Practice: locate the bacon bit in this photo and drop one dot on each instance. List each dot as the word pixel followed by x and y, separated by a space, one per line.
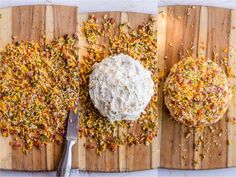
pixel 112 147
pixel 15 145
pixel 90 146
pixel 76 36
pixel 234 120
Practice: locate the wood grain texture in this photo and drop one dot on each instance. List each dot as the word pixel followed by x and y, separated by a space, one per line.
pixel 181 34
pixel 122 149
pixel 82 51
pixel 217 41
pixel 161 39
pixel 201 32
pixel 139 156
pixel 5 37
pixel 231 111
pixel 203 29
pixel 28 23
pixel 31 23
pixel 128 158
pixel 201 52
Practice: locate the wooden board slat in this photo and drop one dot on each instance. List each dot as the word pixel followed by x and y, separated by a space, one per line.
pixel 161 39
pixel 201 52
pixel 82 51
pixel 204 29
pixel 217 41
pixel 231 111
pixel 201 32
pixel 5 37
pixel 122 150
pixel 28 23
pixel 181 34
pixel 138 156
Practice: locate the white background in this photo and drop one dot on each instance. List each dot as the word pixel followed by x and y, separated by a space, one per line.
pixel 147 6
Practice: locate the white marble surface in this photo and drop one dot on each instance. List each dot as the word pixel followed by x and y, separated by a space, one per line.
pixel 147 6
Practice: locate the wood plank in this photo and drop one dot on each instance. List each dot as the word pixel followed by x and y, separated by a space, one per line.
pixel 112 158
pixel 49 33
pixel 82 51
pixel 231 111
pixel 155 145
pixel 5 37
pixel 215 146
pixel 203 30
pixel 108 161
pixel 64 22
pixel 161 39
pixel 176 150
pixel 201 52
pixel 28 23
pixel 139 155
pixel 122 149
pixel 75 150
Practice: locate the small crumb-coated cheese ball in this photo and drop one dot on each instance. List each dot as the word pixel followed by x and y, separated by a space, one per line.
pixel 197 92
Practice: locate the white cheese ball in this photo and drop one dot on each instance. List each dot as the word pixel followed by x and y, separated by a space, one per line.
pixel 120 87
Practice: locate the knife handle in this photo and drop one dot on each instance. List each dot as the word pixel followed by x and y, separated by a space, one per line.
pixel 64 168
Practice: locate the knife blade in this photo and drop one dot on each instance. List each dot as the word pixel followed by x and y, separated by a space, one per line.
pixel 72 124
pixel 64 168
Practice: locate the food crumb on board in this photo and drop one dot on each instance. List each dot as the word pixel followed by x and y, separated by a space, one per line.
pixel 142 48
pixel 37 83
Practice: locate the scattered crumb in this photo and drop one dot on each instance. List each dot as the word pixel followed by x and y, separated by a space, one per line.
pixel 225 50
pixel 187 134
pixel 179 17
pixel 171 44
pixel 202 156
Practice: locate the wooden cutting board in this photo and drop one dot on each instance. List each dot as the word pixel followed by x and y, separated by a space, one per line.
pixel 211 27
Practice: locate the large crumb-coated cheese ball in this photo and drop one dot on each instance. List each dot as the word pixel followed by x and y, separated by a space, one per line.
pixel 197 92
pixel 120 87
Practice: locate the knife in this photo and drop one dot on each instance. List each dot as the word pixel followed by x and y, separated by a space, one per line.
pixel 64 168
